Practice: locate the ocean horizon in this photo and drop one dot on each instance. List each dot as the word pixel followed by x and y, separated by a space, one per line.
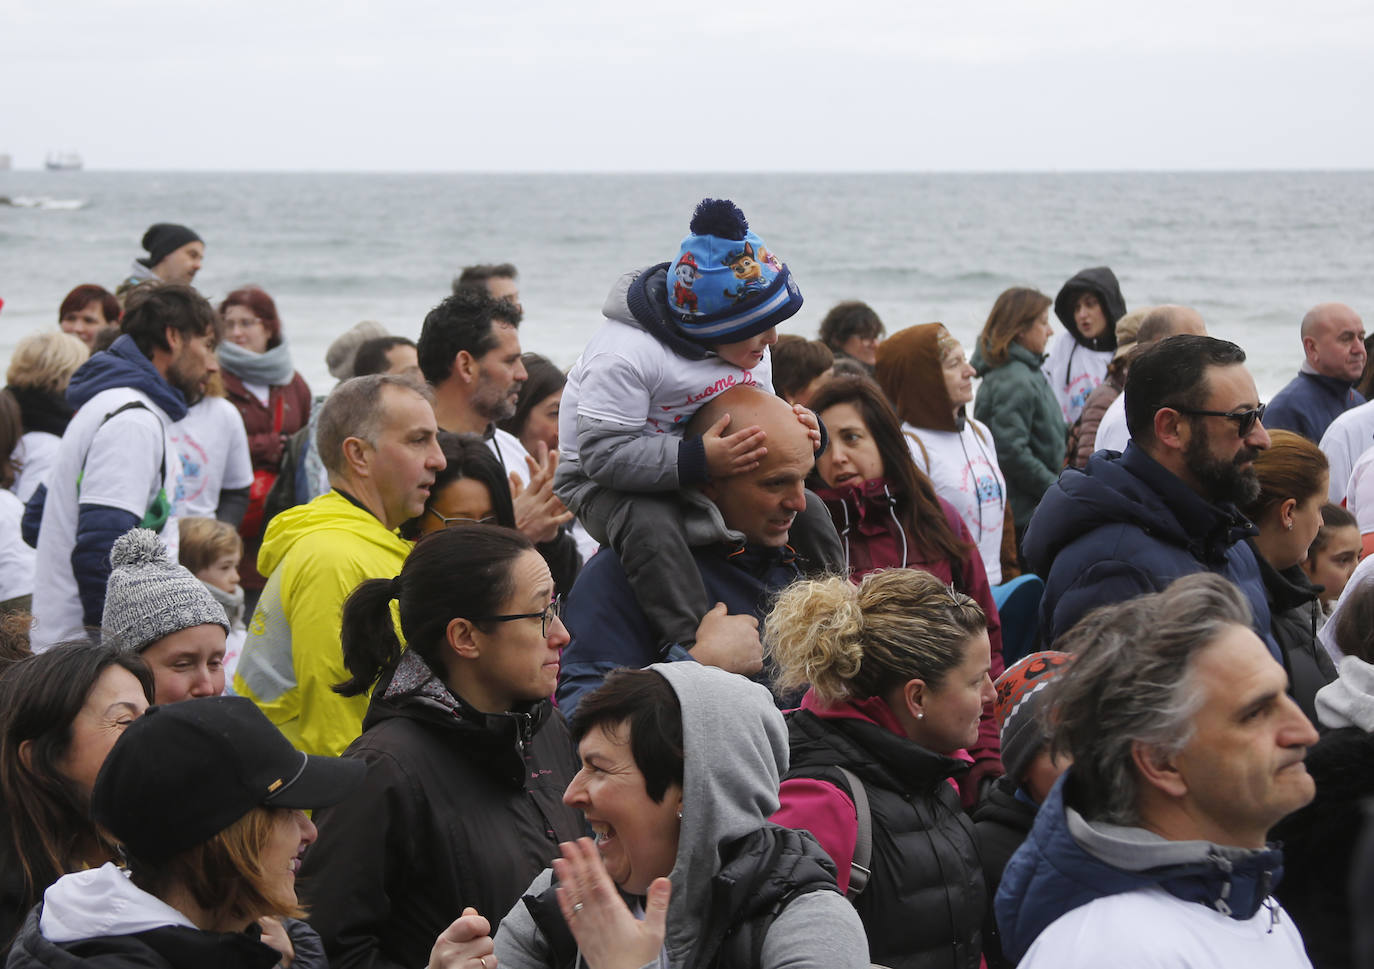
pixel 1252 250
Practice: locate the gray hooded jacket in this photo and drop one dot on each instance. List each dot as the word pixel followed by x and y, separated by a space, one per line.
pixel 735 751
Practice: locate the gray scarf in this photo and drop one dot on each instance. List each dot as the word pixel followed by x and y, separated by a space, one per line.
pixel 232 603
pixel 271 367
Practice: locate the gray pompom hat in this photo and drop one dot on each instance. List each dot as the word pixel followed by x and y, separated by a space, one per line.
pixel 149 596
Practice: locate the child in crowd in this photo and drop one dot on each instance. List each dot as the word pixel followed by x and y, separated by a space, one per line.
pixel 210 550
pixel 675 335
pixel 800 366
pixel 1088 306
pixel 1333 555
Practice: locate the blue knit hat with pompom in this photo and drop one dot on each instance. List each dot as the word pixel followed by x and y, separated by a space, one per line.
pixel 725 285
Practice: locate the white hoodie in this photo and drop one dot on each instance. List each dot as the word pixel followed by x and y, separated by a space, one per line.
pixel 101 902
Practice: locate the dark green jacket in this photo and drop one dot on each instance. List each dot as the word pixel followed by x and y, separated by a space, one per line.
pixel 1018 406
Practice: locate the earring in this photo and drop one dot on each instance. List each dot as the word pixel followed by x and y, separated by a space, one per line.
pixel 679 815
pixel 920 716
pixel 1289 526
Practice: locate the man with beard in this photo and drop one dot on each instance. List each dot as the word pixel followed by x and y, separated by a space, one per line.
pixel 469 352
pixel 1131 523
pixel 117 467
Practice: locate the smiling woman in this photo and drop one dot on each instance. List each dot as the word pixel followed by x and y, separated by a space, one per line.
pixel 680 769
pixel 466 757
pixel 207 800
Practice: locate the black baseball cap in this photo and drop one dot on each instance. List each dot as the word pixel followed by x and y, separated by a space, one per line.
pixel 184 772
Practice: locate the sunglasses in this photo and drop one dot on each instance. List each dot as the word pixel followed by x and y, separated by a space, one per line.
pixel 1245 419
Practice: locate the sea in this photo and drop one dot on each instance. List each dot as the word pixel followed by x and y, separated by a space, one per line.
pixel 1252 251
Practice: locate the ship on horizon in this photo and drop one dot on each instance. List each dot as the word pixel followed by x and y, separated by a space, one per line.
pixel 63 161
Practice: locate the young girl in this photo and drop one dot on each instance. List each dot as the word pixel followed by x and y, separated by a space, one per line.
pixel 211 551
pixel 1333 555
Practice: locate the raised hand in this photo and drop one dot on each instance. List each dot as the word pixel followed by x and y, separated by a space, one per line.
pixel 538 512
pixel 607 933
pixel 465 944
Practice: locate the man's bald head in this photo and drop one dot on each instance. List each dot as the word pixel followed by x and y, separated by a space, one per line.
pixel 1170 320
pixel 1333 340
pixel 761 503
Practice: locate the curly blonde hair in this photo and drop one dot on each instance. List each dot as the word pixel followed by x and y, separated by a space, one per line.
pixel 853 642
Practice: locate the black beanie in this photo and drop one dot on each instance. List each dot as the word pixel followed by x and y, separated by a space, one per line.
pixel 165 238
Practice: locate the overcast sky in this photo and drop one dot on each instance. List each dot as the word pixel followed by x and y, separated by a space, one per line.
pixel 612 85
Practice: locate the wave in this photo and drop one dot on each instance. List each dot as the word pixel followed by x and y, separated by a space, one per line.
pixel 43 202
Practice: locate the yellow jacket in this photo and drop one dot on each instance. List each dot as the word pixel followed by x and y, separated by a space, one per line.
pixel 313 556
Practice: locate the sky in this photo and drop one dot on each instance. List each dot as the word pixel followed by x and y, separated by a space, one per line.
pixel 610 85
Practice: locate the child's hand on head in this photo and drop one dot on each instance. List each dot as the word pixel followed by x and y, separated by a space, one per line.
pixel 736 453
pixel 810 422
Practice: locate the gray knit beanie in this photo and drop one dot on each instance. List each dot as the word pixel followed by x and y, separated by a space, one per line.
pixel 150 596
pixel 342 353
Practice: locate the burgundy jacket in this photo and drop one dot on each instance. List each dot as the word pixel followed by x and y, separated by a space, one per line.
pixel 265 443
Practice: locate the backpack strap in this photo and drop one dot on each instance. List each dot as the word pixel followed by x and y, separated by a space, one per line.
pixel 859 870
pixel 161 509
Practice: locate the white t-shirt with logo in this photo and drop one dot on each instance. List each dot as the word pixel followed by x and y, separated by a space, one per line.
pixel 34 454
pixel 116 465
pixel 16 558
pixel 962 465
pixel 625 376
pixel 213 445
pixel 1073 371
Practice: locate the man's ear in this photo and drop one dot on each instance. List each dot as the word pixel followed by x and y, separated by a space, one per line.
pixel 1171 428
pixel 357 455
pixel 465 367
pixel 1157 770
pixel 173 338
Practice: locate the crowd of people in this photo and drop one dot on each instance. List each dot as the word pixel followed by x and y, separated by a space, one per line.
pixel 721 648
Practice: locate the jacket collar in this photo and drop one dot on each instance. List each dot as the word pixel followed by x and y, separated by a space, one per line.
pixel 1207 529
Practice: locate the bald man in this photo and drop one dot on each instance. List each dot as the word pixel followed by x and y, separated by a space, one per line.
pixel 1168 320
pixel 754 513
pixel 1333 346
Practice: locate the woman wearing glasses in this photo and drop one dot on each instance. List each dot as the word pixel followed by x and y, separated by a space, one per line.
pixel 467 758
pixel 472 490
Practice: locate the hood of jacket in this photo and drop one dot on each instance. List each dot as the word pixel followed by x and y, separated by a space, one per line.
pixel 910 373
pixel 42 410
pixel 1348 700
pixel 1134 489
pixel 1067 862
pixel 1016 353
pixel 640 298
pixel 734 755
pixel 1101 282
pixel 124 365
pixel 1006 805
pixel 330 510
pixel 497 740
pixel 102 901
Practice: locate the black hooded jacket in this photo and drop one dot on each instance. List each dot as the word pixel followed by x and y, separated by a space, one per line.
pixel 1101 282
pixel 459 808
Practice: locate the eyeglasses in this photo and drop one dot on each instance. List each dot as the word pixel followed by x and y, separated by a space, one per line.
pixel 450 522
pixel 554 610
pixel 1245 419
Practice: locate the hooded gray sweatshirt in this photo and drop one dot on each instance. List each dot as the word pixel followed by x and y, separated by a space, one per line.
pixel 734 751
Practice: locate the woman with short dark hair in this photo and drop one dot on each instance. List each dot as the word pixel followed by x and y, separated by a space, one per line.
pixel 680 771
pixel 466 756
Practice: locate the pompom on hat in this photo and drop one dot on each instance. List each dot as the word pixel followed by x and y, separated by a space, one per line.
pixel 724 285
pixel 165 238
pixel 149 596
pixel 1020 695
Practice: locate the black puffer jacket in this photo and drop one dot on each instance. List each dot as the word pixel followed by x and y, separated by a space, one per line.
pixel 459 808
pixel 925 901
pixel 1002 822
pixel 1319 842
pixel 1294 618
pixel 170 947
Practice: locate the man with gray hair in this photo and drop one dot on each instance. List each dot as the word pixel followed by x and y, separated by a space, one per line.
pixel 379 442
pixel 1334 356
pixel 1152 849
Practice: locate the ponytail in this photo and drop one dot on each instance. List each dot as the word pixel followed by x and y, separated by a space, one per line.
pixel 368 635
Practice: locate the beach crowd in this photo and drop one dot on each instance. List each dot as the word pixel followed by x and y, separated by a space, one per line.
pixel 720 649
